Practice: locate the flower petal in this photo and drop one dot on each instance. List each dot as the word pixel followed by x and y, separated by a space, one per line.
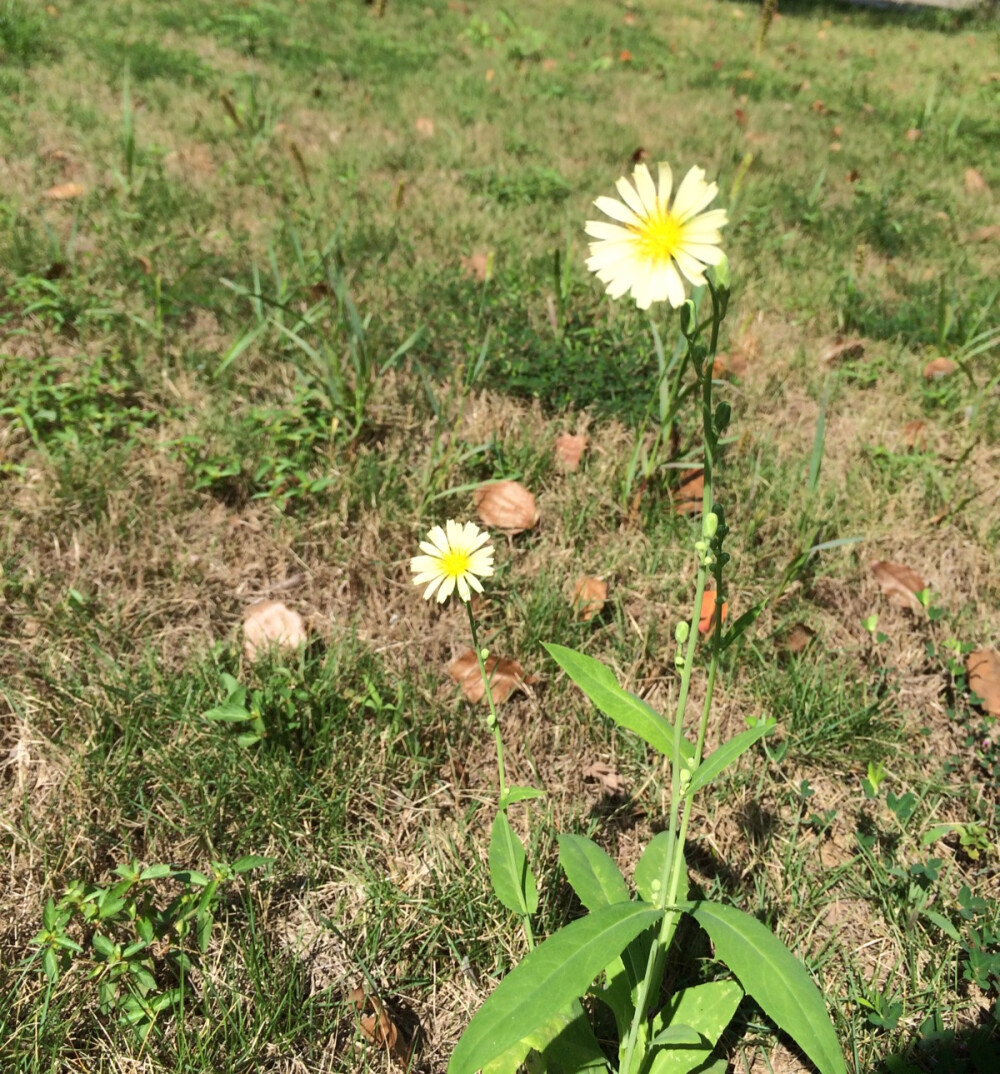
pixel 616 210
pixel 447 586
pixel 646 188
pixel 666 183
pixel 628 195
pixel 601 229
pixel 675 289
pixel 463 588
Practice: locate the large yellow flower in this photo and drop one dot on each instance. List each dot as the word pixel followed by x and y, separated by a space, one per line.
pixel 653 239
pixel 456 556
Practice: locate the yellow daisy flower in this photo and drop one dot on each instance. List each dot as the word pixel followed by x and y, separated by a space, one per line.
pixel 456 557
pixel 652 239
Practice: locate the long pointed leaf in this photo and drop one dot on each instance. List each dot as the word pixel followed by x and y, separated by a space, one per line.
pixel 724 756
pixel 513 881
pixel 591 872
pixel 627 710
pixel 547 981
pixel 705 1010
pixel 775 978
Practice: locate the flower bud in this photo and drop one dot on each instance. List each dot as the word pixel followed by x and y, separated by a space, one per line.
pixel 710 525
pixel 681 632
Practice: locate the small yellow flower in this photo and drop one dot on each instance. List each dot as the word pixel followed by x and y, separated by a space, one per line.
pixel 653 239
pixel 456 556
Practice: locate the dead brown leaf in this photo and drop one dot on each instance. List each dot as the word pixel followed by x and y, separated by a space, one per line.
pixel 589 595
pixel 609 779
pixel 990 233
pixel 797 638
pixel 914 433
pixel 937 368
pixel 687 497
pixel 570 448
pixel 377 1027
pixel 983 667
pixel 730 364
pixel 505 676
pixel 65 191
pixel 478 265
pixel 709 612
pixel 506 505
pixel 975 183
pixel 271 624
pixel 914 134
pixel 424 126
pixel 899 583
pixel 842 349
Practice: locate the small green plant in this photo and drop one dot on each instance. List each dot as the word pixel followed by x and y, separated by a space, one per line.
pixel 129 942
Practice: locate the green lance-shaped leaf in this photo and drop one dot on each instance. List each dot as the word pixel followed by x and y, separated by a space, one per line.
pixel 704 1010
pixel 512 879
pixel 547 981
pixel 723 757
pixel 774 977
pixel 649 871
pixel 591 872
pixel 566 1044
pixel 627 710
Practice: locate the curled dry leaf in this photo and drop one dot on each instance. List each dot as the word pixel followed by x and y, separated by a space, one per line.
pixel 377 1027
pixel 687 496
pixel 730 364
pixel 797 638
pixel 271 624
pixel 709 614
pixel 899 583
pixel 983 667
pixel 589 595
pixel 915 435
pixel 478 265
pixel 840 350
pixel 65 191
pixel 507 505
pixel 938 368
pixel 609 779
pixel 505 676
pixel 570 448
pixel 975 183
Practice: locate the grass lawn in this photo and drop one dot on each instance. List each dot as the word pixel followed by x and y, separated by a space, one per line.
pixel 281 285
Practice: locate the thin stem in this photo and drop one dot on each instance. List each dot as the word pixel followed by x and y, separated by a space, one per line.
pixel 674 867
pixel 494 725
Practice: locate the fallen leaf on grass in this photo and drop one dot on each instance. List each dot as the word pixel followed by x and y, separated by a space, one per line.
pixel 975 183
pixel 989 233
pixel 709 614
pixel 729 364
pixel 937 368
pixel 271 624
pixel 899 583
pixel 915 436
pixel 687 497
pixel 914 134
pixel 377 1027
pixel 983 667
pixel 570 448
pixel 608 778
pixel 797 638
pixel 506 505
pixel 589 595
pixel 479 265
pixel 842 349
pixel 65 191
pixel 424 126
pixel 505 676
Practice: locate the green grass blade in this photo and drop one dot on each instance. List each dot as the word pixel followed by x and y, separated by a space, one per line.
pixel 547 981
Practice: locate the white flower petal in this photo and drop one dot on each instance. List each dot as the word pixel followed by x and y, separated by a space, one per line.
pixel 675 289
pixel 691 267
pixel 474 582
pixel 437 539
pixel 447 587
pixel 666 183
pixel 601 229
pixel 429 591
pixel 646 189
pixel 629 196
pixel 463 588
pixel 708 255
pixel 616 210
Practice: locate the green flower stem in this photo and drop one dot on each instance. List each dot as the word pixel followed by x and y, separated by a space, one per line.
pixel 494 725
pixel 674 864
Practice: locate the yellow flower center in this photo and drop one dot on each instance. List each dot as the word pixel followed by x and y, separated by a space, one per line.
pixel 455 562
pixel 659 236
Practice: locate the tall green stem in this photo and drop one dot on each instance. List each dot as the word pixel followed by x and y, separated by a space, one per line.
pixel 674 864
